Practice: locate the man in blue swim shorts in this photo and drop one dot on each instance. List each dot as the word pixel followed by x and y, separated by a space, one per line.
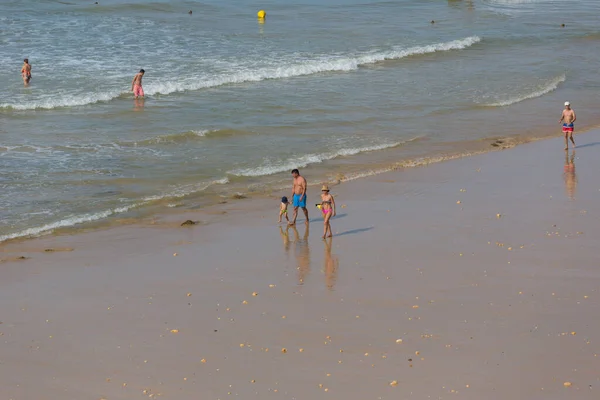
pixel 568 124
pixel 298 195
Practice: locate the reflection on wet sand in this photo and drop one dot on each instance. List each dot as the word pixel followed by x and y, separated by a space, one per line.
pixel 302 253
pixel 286 240
pixel 330 265
pixel 569 175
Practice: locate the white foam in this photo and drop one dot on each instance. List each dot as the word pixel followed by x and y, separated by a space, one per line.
pixel 70 100
pixel 246 73
pixel 80 219
pixel 185 190
pixel 201 132
pixel 546 88
pixel 270 168
pixel 71 221
pixel 325 64
pixel 171 138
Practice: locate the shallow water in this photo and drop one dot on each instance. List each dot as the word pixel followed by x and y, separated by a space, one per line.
pixel 332 87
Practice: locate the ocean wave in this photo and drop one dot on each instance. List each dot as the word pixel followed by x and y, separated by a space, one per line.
pixel 544 89
pixel 271 168
pixel 74 220
pixel 170 138
pixel 137 7
pixel 184 190
pixel 71 100
pixel 311 67
pixel 63 223
pixel 279 70
pixel 183 137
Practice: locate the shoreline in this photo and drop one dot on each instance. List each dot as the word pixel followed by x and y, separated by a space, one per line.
pixel 151 209
pixel 474 278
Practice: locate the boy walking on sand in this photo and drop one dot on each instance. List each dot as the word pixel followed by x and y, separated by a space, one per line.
pixel 568 118
pixel 283 207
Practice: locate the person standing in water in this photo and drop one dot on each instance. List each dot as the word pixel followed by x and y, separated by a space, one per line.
pixel 136 84
pixel 298 195
pixel 26 71
pixel 568 119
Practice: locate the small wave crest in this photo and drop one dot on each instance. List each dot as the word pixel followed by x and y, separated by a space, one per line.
pixel 184 190
pixel 278 70
pixel 70 221
pixel 74 220
pixel 310 67
pixel 71 100
pixel 172 138
pixel 542 90
pixel 271 168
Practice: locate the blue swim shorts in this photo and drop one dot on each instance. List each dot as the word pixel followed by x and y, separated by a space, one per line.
pixel 299 201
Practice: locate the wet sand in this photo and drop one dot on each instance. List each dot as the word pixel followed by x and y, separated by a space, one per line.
pixel 475 278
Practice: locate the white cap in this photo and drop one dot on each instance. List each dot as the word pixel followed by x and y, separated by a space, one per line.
pixel 567 103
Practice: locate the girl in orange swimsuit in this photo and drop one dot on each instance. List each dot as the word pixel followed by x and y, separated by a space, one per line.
pixel 328 210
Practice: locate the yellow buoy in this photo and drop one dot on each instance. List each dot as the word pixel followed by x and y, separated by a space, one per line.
pixel 261 14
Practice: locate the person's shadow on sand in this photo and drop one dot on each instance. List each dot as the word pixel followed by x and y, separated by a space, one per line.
pixel 581 146
pixel 354 231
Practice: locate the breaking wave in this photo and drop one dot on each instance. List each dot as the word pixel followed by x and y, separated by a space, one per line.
pixel 546 88
pixel 270 168
pixel 74 220
pixel 278 70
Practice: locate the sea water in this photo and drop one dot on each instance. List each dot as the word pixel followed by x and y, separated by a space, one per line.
pixel 338 88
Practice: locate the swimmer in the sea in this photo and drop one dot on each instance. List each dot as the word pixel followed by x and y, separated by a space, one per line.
pixel 26 71
pixel 136 84
pixel 328 210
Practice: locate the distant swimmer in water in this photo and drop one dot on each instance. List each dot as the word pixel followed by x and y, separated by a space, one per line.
pixel 136 84
pixel 26 72
pixel 568 119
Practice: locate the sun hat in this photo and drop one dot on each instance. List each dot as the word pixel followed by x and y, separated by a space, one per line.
pixel 325 188
pixel 567 103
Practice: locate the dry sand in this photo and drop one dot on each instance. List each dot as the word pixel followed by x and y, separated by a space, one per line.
pixel 424 292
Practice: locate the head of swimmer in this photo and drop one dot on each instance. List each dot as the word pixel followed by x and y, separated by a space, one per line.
pixel 295 173
pixel 26 61
pixel 142 71
pixel 567 105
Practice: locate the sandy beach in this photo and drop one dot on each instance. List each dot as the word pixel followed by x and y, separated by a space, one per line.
pixel 475 278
